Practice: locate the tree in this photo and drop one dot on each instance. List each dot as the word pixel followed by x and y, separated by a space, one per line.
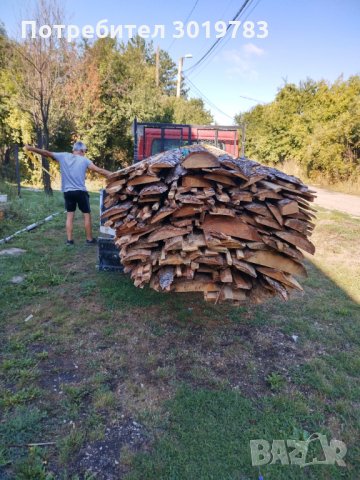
pixel 315 123
pixel 89 91
pixel 5 130
pixel 116 83
pixel 188 111
pixel 97 97
pixel 41 68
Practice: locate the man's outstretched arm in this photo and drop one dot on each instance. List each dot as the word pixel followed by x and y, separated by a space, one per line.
pixel 43 153
pixel 99 170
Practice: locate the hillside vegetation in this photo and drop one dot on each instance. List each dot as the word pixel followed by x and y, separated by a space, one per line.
pixel 315 126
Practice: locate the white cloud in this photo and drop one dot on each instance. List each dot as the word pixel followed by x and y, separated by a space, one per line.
pixel 232 56
pixel 241 61
pixel 247 73
pixel 250 49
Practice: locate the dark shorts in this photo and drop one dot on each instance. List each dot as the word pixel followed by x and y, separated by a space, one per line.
pixel 79 198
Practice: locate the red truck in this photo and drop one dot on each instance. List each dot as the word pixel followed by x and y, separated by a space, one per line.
pixel 152 138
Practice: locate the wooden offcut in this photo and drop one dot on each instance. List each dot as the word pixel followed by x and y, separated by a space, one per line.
pixel 195 219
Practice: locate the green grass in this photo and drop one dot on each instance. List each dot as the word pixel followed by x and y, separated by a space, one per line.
pixel 350 186
pixel 127 295
pixel 201 380
pixel 27 209
pixel 70 445
pixel 209 432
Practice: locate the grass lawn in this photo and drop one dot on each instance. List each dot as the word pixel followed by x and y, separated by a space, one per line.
pixel 132 384
pixel 27 209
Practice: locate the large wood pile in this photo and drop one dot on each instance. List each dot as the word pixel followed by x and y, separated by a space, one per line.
pixel 196 219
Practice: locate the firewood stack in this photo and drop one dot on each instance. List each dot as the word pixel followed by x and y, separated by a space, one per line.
pixel 194 219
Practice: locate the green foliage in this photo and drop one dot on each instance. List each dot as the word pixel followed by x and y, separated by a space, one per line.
pixel 117 84
pixel 70 444
pixel 113 84
pixel 316 123
pixel 21 425
pixel 9 399
pixel 275 380
pixel 188 111
pixel 32 467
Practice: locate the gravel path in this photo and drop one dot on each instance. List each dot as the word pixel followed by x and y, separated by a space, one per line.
pixel 337 201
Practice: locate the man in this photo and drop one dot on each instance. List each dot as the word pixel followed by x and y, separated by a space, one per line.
pixel 73 168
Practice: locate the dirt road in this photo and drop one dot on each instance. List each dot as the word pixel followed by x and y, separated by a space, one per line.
pixel 337 201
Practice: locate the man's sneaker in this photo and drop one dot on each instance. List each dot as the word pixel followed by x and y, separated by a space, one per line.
pixel 69 242
pixel 91 242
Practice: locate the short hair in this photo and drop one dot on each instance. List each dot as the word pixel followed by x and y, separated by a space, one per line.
pixel 79 146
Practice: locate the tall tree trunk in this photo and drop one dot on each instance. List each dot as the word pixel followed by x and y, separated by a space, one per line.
pixel 7 155
pixel 43 142
pixel 5 168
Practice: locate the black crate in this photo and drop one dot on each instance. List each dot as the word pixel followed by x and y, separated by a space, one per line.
pixel 108 256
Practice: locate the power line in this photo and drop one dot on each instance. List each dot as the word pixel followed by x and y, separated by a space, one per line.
pixel 205 98
pixel 238 13
pixel 252 99
pixel 206 41
pixel 208 60
pixel 187 18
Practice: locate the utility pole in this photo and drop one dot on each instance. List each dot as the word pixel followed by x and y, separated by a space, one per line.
pixel 157 66
pixel 180 66
pixel 178 85
pixel 243 139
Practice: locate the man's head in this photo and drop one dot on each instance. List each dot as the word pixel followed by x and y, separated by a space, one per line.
pixel 79 148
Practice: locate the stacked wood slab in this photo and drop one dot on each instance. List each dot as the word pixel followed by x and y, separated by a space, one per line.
pixel 197 220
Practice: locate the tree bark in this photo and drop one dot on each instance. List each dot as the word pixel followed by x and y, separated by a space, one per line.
pixel 43 142
pixel 7 155
pixel 6 169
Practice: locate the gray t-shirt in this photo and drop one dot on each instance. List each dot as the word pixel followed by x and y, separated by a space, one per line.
pixel 73 170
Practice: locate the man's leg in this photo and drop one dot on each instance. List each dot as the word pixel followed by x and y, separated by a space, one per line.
pixel 69 224
pixel 88 228
pixel 84 205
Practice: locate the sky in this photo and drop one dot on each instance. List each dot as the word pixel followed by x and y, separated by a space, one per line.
pixel 319 39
